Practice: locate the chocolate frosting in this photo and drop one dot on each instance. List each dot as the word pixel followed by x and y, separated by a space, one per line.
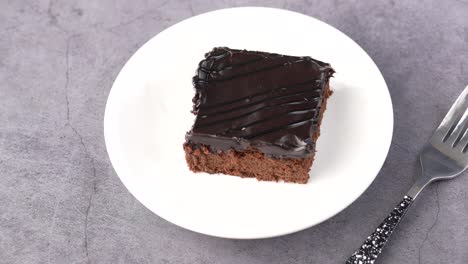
pixel 248 99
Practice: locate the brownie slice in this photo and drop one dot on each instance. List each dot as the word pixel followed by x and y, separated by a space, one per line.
pixel 258 114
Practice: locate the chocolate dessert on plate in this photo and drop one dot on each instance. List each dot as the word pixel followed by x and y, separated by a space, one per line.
pixel 258 114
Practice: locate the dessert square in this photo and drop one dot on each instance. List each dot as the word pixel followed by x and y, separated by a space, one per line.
pixel 258 114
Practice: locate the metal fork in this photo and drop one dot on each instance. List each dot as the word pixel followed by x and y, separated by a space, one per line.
pixel 445 156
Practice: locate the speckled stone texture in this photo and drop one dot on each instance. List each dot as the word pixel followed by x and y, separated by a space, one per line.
pixel 61 201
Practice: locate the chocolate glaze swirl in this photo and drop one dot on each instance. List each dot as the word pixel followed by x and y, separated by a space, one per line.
pixel 256 99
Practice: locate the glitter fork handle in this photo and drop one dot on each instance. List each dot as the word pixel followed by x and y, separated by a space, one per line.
pixel 372 247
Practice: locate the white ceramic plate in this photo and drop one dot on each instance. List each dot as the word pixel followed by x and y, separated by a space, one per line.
pixel 148 114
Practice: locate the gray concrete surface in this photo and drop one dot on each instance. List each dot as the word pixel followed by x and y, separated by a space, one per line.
pixel 61 201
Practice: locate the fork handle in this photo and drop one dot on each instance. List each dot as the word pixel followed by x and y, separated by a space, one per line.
pixel 372 247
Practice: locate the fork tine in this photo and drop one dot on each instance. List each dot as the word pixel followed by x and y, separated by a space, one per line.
pixel 457 133
pixel 463 141
pixel 452 118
